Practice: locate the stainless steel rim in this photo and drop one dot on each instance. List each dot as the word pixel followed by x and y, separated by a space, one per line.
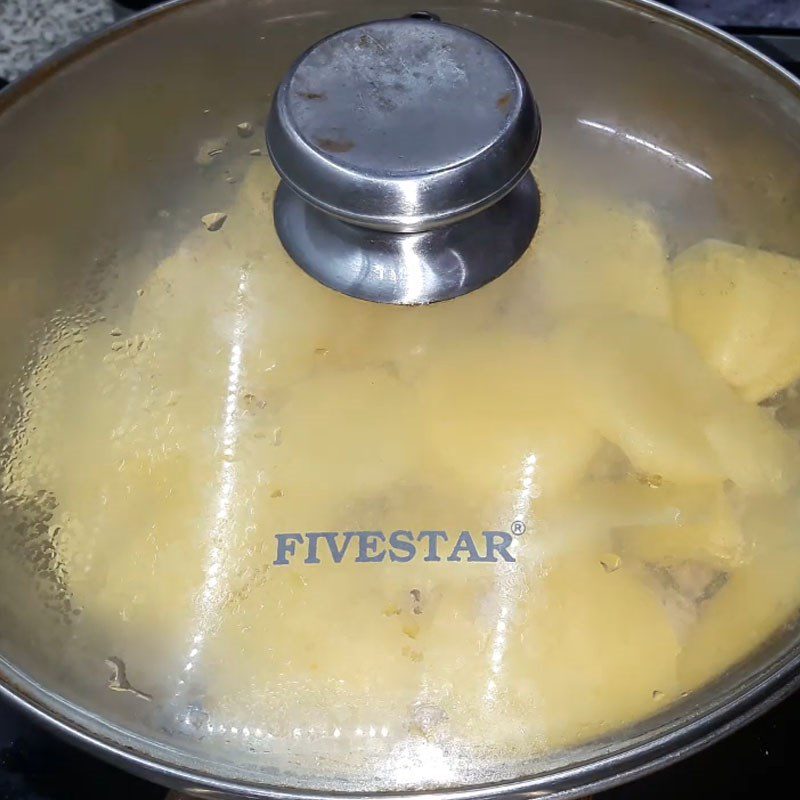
pixel 751 699
pixel 636 762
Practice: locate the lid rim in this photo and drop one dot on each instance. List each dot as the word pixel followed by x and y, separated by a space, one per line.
pixel 730 714
pixel 737 703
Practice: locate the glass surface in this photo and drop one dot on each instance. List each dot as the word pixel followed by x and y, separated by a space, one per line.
pixel 302 539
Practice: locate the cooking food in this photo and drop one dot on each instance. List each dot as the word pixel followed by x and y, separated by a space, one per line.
pixel 739 307
pixel 264 538
pixel 593 420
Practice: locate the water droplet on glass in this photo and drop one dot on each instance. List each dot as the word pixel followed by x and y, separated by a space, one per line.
pixel 244 129
pixel 653 481
pixel 214 221
pixel 426 716
pixel 209 149
pixel 195 718
pixel 611 562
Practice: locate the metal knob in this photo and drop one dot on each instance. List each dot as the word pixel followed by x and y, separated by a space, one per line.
pixel 404 149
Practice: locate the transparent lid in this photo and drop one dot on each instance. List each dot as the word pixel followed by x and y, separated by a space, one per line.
pixel 265 533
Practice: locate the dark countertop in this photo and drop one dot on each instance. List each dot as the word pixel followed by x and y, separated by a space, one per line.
pixel 767 13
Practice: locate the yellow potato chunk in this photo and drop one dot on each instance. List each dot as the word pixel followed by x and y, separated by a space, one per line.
pixel 602 650
pixel 634 502
pixel 663 525
pixel 499 419
pixel 704 528
pixel 757 598
pixel 357 642
pixel 646 389
pixel 740 307
pixel 345 434
pixel 588 255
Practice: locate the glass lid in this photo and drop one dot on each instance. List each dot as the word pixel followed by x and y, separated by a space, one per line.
pixel 260 532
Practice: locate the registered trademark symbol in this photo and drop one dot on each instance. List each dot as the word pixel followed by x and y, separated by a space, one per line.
pixel 517 527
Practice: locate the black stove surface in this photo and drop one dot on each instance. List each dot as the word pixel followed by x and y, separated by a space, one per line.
pixel 755 762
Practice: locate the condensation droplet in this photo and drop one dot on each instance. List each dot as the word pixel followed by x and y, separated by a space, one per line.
pixel 214 221
pixel 208 150
pixel 244 129
pixel 611 562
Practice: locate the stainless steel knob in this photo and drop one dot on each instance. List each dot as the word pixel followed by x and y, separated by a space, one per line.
pixel 404 149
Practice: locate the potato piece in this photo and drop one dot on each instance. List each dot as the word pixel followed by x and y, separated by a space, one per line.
pixel 758 597
pixel 591 256
pixel 498 418
pixel 488 647
pixel 740 307
pixel 335 644
pixel 632 503
pixel 712 536
pixel 644 386
pixel 345 434
pixel 664 525
pixel 354 643
pixel 599 646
